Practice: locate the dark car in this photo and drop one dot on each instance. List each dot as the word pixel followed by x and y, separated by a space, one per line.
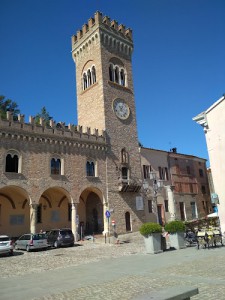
pixel 60 237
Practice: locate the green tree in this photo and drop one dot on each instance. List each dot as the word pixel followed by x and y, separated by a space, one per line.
pixel 44 115
pixel 8 105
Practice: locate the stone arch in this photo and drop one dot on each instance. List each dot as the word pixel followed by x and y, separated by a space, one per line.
pixel 91 211
pixel 14 210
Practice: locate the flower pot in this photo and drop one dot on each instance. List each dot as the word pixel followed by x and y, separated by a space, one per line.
pixel 177 240
pixel 153 243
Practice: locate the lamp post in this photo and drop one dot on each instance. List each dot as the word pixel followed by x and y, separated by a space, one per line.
pixel 157 184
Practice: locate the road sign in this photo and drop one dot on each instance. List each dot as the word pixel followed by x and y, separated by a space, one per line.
pixel 107 214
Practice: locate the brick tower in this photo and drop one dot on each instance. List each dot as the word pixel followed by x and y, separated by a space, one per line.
pixel 102 52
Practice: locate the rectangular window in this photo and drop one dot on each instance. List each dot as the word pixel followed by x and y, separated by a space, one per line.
pixel 166 202
pixel 163 173
pixel 182 214
pixel 146 171
pixel 188 170
pixel 193 210
pixel 201 174
pixel 150 206
pixel 203 189
pixel 16 219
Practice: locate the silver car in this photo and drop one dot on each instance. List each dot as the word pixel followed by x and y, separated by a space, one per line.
pixel 6 245
pixel 31 241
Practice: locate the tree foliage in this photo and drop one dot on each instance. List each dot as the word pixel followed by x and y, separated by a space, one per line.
pixel 44 114
pixel 8 105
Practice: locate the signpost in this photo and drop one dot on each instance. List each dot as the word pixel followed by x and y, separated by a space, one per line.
pixel 108 214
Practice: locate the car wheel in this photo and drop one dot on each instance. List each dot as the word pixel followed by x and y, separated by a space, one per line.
pixel 11 253
pixel 28 248
pixel 56 245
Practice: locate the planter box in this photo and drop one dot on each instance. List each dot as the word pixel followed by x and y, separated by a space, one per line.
pixel 153 243
pixel 177 240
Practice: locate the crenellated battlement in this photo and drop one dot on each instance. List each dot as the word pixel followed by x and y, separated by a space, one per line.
pixel 54 132
pixel 102 21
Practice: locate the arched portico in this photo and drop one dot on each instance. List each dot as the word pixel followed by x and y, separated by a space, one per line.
pixel 91 212
pixel 14 211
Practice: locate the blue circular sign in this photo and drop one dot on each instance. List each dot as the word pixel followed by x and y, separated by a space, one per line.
pixel 107 214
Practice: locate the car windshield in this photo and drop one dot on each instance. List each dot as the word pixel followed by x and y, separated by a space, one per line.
pixel 4 239
pixel 39 236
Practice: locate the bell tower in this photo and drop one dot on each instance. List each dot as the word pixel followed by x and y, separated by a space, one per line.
pixel 102 52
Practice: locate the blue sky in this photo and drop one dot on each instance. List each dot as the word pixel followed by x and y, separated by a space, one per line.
pixel 178 61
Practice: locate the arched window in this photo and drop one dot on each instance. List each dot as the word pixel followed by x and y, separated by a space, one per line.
pixel 93 74
pixel 55 166
pixel 89 78
pixel 111 77
pixel 84 81
pixel 122 77
pixel 117 75
pixel 90 168
pixel 12 162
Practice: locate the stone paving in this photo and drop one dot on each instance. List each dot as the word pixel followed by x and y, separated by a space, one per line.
pixel 203 269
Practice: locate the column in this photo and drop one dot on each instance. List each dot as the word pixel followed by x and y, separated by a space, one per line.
pixel 74 225
pixel 171 202
pixel 33 217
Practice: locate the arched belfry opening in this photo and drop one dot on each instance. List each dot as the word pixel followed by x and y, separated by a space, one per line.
pixel 90 212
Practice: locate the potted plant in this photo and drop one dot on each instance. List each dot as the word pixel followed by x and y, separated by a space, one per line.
pixel 176 230
pixel 152 237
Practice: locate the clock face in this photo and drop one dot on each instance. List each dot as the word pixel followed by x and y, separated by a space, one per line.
pixel 121 109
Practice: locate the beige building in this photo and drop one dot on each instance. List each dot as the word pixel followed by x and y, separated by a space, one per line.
pixel 213 122
pixel 185 193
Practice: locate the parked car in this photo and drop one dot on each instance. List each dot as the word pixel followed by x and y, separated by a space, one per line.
pixel 31 241
pixel 60 237
pixel 6 245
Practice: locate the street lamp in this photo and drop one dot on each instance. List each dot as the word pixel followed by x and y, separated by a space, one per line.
pixel 157 184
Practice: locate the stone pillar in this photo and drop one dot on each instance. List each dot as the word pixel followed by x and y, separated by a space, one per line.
pixel 33 217
pixel 171 202
pixel 74 225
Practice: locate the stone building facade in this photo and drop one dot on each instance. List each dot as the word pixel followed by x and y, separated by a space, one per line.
pixel 70 176
pixel 185 193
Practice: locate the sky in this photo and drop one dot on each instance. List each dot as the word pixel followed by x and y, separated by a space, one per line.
pixel 178 62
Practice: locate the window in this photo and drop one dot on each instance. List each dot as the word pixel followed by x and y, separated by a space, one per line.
pixel 163 173
pixel 201 174
pixel 203 189
pixel 39 213
pixel 166 203
pixel 188 170
pixel 146 171
pixel 124 172
pixel 12 162
pixel 55 166
pixel 90 168
pixel 117 74
pixel 193 210
pixel 89 77
pixel 182 213
pixel 150 206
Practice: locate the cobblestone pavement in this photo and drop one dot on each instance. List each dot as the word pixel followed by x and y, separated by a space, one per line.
pixel 203 269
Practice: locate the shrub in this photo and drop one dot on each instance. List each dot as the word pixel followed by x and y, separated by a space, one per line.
pixel 175 226
pixel 149 228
